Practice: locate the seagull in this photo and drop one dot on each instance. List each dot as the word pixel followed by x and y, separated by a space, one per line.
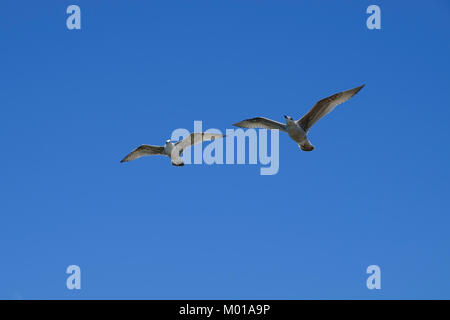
pixel 170 149
pixel 298 130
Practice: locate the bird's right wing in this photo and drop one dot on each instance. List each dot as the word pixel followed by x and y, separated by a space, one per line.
pixel 262 123
pixel 192 139
pixel 144 150
pixel 325 106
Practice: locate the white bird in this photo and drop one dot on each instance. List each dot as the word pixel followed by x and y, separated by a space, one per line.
pixel 170 149
pixel 298 130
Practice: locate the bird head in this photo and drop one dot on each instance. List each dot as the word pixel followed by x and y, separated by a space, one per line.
pixel 168 141
pixel 288 118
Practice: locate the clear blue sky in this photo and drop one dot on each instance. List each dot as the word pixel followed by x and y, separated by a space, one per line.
pixel 374 191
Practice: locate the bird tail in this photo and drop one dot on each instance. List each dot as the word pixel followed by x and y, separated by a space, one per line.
pixel 306 146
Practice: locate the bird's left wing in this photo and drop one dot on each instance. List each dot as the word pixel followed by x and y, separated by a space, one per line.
pixel 143 150
pixel 325 106
pixel 262 123
pixel 195 138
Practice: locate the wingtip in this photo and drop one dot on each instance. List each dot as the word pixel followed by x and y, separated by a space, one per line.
pixel 357 89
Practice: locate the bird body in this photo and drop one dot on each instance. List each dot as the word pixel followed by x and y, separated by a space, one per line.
pixel 168 148
pixel 298 130
pixel 295 131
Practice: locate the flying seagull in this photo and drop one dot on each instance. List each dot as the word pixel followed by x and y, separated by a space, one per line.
pixel 298 130
pixel 170 149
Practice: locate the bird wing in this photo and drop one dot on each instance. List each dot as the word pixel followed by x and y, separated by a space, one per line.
pixel 144 150
pixel 262 123
pixel 195 138
pixel 325 106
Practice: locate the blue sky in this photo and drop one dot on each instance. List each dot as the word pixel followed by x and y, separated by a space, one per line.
pixel 374 191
